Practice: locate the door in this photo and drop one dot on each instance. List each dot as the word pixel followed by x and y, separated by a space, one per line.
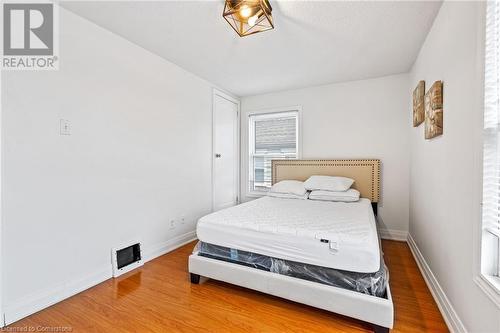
pixel 225 151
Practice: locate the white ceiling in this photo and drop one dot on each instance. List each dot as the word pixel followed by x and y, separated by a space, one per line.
pixel 314 42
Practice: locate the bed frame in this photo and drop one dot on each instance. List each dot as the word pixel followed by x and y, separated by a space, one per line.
pixel 377 311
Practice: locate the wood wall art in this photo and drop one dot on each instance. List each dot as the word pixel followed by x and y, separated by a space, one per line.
pixel 434 110
pixel 418 104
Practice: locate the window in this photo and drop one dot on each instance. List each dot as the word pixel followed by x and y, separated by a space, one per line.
pixel 271 136
pixel 490 242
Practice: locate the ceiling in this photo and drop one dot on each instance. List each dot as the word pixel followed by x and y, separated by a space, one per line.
pixel 314 42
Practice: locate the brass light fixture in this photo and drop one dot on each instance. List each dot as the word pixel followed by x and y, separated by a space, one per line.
pixel 248 17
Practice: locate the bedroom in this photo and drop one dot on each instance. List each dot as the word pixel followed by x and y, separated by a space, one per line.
pixel 157 114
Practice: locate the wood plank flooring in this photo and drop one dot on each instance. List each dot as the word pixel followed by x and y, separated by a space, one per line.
pixel 159 298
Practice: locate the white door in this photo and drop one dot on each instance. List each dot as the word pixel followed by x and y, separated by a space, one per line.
pixel 226 151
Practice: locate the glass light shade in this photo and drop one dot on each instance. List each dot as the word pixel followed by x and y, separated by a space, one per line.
pixel 248 17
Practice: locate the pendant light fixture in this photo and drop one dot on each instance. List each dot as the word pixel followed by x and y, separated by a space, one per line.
pixel 248 17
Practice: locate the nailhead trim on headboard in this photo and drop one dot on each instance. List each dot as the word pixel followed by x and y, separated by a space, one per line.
pixel 373 163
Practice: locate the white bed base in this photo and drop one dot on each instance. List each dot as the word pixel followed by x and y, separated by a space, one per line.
pixel 375 310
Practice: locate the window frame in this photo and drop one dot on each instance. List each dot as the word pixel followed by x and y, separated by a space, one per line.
pixel 249 194
pixel 488 283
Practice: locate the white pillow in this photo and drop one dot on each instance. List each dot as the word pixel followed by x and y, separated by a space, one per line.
pixel 328 183
pixel 350 195
pixel 288 195
pixel 290 187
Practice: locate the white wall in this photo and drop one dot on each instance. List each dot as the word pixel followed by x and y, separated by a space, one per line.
pixel 360 119
pixel 139 155
pixel 445 171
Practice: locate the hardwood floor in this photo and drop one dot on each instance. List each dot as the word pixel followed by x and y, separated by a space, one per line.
pixel 159 298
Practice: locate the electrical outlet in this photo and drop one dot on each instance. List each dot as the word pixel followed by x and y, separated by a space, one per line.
pixel 172 224
pixel 64 127
pixel 183 219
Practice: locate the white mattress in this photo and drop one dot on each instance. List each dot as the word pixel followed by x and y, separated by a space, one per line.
pixel 293 229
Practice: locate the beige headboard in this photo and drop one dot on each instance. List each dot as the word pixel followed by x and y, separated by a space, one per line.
pixel 366 173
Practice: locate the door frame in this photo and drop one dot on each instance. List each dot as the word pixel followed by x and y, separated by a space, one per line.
pixel 2 220
pixel 216 92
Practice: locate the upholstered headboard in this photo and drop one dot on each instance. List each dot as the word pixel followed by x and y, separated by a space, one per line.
pixel 366 173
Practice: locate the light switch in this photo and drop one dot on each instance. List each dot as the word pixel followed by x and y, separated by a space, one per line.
pixel 65 127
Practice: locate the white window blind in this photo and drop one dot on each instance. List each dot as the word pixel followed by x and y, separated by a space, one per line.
pixel 271 136
pixel 491 139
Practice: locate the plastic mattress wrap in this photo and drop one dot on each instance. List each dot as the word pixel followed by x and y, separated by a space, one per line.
pixel 367 283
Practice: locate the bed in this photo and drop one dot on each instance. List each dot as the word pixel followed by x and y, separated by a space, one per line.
pixel 323 254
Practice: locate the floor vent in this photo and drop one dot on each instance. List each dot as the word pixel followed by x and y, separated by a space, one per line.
pixel 126 258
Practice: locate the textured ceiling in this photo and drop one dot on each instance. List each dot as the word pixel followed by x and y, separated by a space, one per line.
pixel 314 42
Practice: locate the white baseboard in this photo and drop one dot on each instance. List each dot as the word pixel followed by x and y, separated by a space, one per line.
pixel 396 235
pixel 450 316
pixel 160 249
pixel 43 299
pixel 46 298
